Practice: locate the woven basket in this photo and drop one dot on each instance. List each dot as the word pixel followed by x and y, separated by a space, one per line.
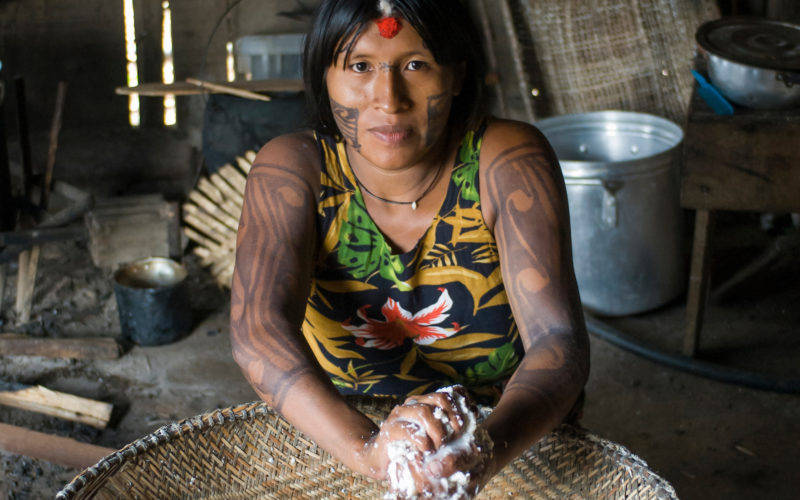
pixel 250 452
pixel 632 55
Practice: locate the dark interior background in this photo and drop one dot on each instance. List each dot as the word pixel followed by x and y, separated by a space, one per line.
pixel 81 42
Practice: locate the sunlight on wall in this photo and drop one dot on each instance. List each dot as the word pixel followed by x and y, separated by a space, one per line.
pixel 134 115
pixel 167 66
pixel 230 66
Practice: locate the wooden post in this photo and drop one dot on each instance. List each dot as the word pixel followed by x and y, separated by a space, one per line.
pixel 698 281
pixel 7 208
pixel 55 129
pixel 24 138
pixel 2 283
pixel 29 259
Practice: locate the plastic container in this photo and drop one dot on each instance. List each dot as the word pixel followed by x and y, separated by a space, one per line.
pixel 262 57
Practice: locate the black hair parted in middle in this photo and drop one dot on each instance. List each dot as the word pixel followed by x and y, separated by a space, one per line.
pixel 445 27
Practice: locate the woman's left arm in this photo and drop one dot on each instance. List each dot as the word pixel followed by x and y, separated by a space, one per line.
pixel 524 201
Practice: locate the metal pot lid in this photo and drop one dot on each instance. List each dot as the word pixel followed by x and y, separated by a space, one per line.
pixel 753 41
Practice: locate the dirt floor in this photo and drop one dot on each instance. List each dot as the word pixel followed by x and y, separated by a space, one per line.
pixel 709 438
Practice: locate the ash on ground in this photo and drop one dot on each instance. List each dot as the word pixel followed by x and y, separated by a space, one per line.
pixel 74 298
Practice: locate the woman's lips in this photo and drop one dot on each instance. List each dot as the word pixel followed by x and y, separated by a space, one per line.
pixel 390 134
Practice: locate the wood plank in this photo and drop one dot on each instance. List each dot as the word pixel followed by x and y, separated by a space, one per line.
pixel 56 404
pixel 185 88
pixel 54 449
pixel 12 344
pixel 211 208
pixel 235 177
pixel 41 235
pixel 748 161
pixel 28 264
pixel 201 220
pixel 211 87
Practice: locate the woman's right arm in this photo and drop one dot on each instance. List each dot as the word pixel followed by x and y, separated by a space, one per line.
pixel 275 251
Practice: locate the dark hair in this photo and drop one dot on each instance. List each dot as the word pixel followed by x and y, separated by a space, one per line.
pixel 444 25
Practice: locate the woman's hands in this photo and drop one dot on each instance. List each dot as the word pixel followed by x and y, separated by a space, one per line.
pixel 431 446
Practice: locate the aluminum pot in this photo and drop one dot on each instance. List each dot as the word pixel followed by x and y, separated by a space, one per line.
pixel 753 87
pixel 621 173
pixel 753 62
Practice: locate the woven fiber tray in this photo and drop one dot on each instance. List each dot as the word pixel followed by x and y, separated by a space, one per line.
pixel 250 452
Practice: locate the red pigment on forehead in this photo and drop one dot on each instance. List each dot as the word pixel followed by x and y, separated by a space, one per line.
pixel 388 26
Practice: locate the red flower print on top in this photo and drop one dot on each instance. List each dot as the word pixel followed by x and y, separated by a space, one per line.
pixel 400 324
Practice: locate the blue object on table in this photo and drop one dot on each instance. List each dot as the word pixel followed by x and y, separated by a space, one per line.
pixel 712 96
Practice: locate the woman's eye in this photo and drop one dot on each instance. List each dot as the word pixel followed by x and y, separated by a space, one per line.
pixel 359 67
pixel 416 65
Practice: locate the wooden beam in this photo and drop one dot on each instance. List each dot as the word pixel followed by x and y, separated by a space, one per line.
pixel 56 404
pixel 54 449
pixel 186 88
pixel 42 235
pixel 12 344
pixel 227 89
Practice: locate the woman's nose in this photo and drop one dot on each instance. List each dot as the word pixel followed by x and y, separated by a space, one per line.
pixel 390 92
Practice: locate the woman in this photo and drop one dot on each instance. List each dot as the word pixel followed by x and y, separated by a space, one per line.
pixel 407 244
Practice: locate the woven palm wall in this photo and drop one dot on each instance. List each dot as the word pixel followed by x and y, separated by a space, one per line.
pixel 632 55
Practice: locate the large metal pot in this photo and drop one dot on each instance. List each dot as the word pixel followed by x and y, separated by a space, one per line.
pixel 754 62
pixel 621 174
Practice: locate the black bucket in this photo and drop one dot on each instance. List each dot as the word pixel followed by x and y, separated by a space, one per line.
pixel 152 300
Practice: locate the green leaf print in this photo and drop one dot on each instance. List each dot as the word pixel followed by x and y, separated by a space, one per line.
pixel 464 175
pixel 362 249
pixel 499 364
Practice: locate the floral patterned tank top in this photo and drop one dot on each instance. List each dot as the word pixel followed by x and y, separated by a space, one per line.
pixel 402 324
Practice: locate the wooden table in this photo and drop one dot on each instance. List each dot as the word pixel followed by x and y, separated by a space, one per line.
pixel 750 162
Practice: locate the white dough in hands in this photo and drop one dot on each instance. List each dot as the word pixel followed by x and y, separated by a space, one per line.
pixel 473 440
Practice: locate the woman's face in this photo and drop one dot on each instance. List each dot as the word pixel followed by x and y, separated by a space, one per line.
pixel 391 100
